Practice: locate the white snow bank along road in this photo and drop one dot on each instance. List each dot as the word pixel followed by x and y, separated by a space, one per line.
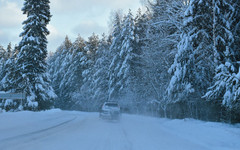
pixel 65 130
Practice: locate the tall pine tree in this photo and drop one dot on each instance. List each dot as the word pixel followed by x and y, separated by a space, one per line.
pixel 31 69
pixel 99 84
pixel 114 66
pixel 59 63
pixel 227 55
pixel 192 71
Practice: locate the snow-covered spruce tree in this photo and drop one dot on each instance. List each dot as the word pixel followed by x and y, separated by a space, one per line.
pixel 126 55
pixel 31 75
pixel 100 77
pixel 235 27
pixel 139 67
pixel 2 64
pixel 73 77
pixel 5 56
pixel 88 72
pixel 227 55
pixel 128 70
pixel 193 67
pixel 7 82
pixel 65 88
pixel 9 51
pixel 115 64
pixel 164 25
pixel 2 51
pixel 121 68
pixel 59 64
pixel 75 69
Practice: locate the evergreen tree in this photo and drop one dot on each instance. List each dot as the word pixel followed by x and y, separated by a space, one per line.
pixel 7 82
pixel 125 69
pixel 86 90
pixel 164 25
pixel 99 84
pixel 74 76
pixel 227 55
pixel 130 73
pixel 115 59
pixel 2 63
pixel 59 63
pixel 235 28
pixel 193 66
pixel 5 55
pixel 138 62
pixel 125 54
pixel 31 69
pixel 120 67
pixel 8 77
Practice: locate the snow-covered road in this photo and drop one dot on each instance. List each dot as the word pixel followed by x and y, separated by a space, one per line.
pixel 65 130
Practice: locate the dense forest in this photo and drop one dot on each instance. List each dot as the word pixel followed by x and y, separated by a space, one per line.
pixel 175 59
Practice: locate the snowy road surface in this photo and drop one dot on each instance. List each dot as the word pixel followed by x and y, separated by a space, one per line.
pixel 65 130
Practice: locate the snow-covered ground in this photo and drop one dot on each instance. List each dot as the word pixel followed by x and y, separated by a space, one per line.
pixel 71 130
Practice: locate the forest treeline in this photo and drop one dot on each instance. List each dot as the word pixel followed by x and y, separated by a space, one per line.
pixel 176 59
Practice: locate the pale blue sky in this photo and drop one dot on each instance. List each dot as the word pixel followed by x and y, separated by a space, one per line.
pixel 70 17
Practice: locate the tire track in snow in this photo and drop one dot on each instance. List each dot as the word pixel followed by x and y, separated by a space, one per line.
pixel 129 143
pixel 5 142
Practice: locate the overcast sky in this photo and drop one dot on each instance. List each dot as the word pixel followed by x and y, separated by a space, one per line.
pixel 70 17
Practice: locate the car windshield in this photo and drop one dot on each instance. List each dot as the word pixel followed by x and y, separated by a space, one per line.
pixel 111 104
